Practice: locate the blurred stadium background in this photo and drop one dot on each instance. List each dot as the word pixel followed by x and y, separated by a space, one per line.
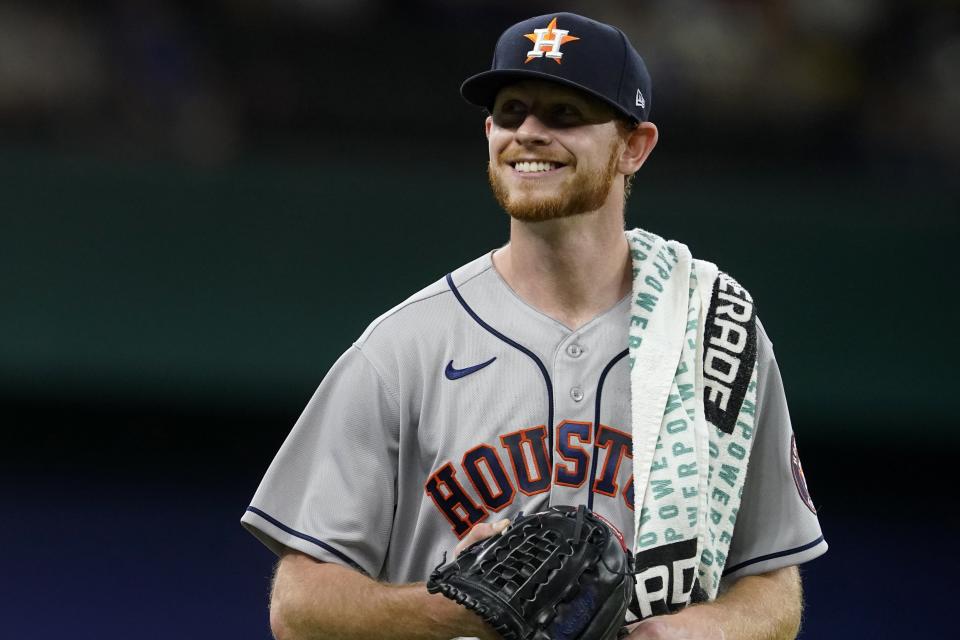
pixel 203 204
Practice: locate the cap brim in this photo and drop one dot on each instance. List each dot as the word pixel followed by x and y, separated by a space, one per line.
pixel 482 89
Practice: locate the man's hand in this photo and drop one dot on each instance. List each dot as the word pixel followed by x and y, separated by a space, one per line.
pixel 581 584
pixel 480 532
pixel 313 600
pixel 760 607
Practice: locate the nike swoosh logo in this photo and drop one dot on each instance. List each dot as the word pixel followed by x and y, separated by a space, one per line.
pixel 455 374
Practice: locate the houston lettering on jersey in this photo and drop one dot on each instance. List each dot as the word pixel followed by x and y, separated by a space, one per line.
pixel 488 478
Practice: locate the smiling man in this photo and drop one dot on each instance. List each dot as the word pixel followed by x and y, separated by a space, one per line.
pixel 573 176
pixel 578 364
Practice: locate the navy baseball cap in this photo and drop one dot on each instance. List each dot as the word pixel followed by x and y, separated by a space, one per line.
pixel 573 51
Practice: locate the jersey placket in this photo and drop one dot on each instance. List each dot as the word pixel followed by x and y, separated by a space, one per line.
pixel 592 441
pixel 574 398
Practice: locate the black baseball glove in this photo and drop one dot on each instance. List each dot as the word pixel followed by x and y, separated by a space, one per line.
pixel 561 574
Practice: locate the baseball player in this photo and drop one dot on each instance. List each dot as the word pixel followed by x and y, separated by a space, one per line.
pixel 504 387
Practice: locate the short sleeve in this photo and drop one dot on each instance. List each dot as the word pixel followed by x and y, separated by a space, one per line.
pixel 331 488
pixel 777 525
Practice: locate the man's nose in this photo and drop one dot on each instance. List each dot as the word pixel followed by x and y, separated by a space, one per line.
pixel 532 131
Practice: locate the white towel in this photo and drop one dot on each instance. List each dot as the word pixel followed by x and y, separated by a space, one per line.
pixel 692 343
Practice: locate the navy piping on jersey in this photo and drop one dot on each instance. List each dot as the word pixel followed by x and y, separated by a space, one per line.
pixel 323 545
pixel 596 423
pixel 771 556
pixel 522 349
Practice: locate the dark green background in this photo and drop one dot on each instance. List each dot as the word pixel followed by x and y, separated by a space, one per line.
pixel 239 287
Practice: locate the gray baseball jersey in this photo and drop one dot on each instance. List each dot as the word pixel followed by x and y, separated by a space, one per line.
pixel 464 404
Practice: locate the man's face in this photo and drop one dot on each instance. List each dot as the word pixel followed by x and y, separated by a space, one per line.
pixel 553 151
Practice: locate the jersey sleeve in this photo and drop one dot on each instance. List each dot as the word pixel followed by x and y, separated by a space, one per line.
pixel 777 525
pixel 330 490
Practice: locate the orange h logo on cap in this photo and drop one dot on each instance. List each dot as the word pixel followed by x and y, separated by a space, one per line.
pixel 550 37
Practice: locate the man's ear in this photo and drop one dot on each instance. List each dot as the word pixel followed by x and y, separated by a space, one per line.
pixel 640 141
pixel 486 125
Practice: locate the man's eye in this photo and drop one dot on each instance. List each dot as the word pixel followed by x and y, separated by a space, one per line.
pixel 564 115
pixel 510 114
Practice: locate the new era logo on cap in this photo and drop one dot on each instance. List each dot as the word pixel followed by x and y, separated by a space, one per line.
pixel 597 59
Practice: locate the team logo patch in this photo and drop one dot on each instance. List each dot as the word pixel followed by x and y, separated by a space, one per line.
pixel 798 476
pixel 729 352
pixel 546 42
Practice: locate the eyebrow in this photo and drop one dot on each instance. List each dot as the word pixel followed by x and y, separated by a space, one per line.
pixel 572 99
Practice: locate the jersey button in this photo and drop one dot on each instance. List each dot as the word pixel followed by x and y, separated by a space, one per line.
pixel 577 394
pixel 574 350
